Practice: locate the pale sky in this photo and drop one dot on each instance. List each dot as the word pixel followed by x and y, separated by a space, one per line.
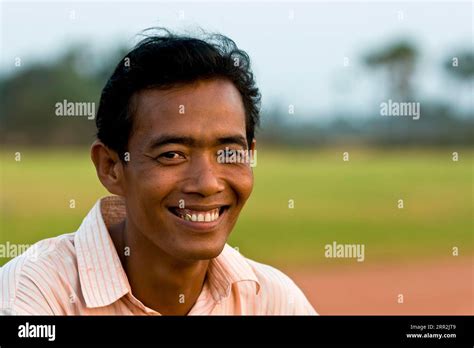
pixel 298 59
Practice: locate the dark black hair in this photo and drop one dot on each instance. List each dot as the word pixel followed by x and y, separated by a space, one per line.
pixel 164 60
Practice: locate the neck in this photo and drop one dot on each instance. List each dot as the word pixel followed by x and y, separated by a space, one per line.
pixel 161 282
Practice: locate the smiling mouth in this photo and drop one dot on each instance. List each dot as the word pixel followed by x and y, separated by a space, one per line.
pixel 202 215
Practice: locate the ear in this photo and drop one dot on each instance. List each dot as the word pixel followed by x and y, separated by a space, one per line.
pixel 109 168
pixel 253 144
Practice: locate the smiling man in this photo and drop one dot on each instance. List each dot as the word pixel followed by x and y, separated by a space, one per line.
pixel 158 245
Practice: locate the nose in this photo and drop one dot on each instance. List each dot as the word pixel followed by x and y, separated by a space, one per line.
pixel 204 178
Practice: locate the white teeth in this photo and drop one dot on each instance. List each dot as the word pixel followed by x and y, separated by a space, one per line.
pixel 209 216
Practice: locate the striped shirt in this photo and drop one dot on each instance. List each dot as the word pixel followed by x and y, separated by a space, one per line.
pixel 81 274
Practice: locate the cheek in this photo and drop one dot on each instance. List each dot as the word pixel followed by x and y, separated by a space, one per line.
pixel 241 182
pixel 147 188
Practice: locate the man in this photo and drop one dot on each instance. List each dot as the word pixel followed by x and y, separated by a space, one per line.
pixel 158 246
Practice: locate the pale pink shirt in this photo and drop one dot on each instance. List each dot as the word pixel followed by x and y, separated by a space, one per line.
pixel 80 274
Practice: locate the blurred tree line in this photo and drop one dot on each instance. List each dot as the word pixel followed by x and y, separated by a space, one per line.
pixel 29 95
pixel 28 98
pixel 441 122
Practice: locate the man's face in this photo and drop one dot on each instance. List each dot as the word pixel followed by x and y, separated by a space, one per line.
pixel 174 176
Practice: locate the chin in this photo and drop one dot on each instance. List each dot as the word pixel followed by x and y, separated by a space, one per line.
pixel 198 252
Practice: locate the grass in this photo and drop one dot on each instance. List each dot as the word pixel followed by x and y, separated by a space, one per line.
pixel 347 202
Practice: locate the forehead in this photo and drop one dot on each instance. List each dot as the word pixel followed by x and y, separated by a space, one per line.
pixel 202 110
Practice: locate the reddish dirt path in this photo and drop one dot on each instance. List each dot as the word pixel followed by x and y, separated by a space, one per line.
pixel 429 287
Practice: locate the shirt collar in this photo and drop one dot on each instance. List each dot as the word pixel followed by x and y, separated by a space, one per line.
pixel 228 268
pixel 103 279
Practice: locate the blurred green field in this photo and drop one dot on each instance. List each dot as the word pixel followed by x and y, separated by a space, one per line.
pixel 347 202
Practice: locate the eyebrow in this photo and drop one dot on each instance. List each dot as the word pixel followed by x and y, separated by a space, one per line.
pixel 190 141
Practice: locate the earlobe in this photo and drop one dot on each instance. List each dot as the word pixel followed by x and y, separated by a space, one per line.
pixel 108 167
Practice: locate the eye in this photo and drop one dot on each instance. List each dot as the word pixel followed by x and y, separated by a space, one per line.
pixel 171 157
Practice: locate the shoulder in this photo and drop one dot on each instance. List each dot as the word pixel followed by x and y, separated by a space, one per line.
pixel 29 282
pixel 278 292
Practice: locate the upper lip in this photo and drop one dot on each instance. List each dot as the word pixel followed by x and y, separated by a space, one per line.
pixel 198 207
